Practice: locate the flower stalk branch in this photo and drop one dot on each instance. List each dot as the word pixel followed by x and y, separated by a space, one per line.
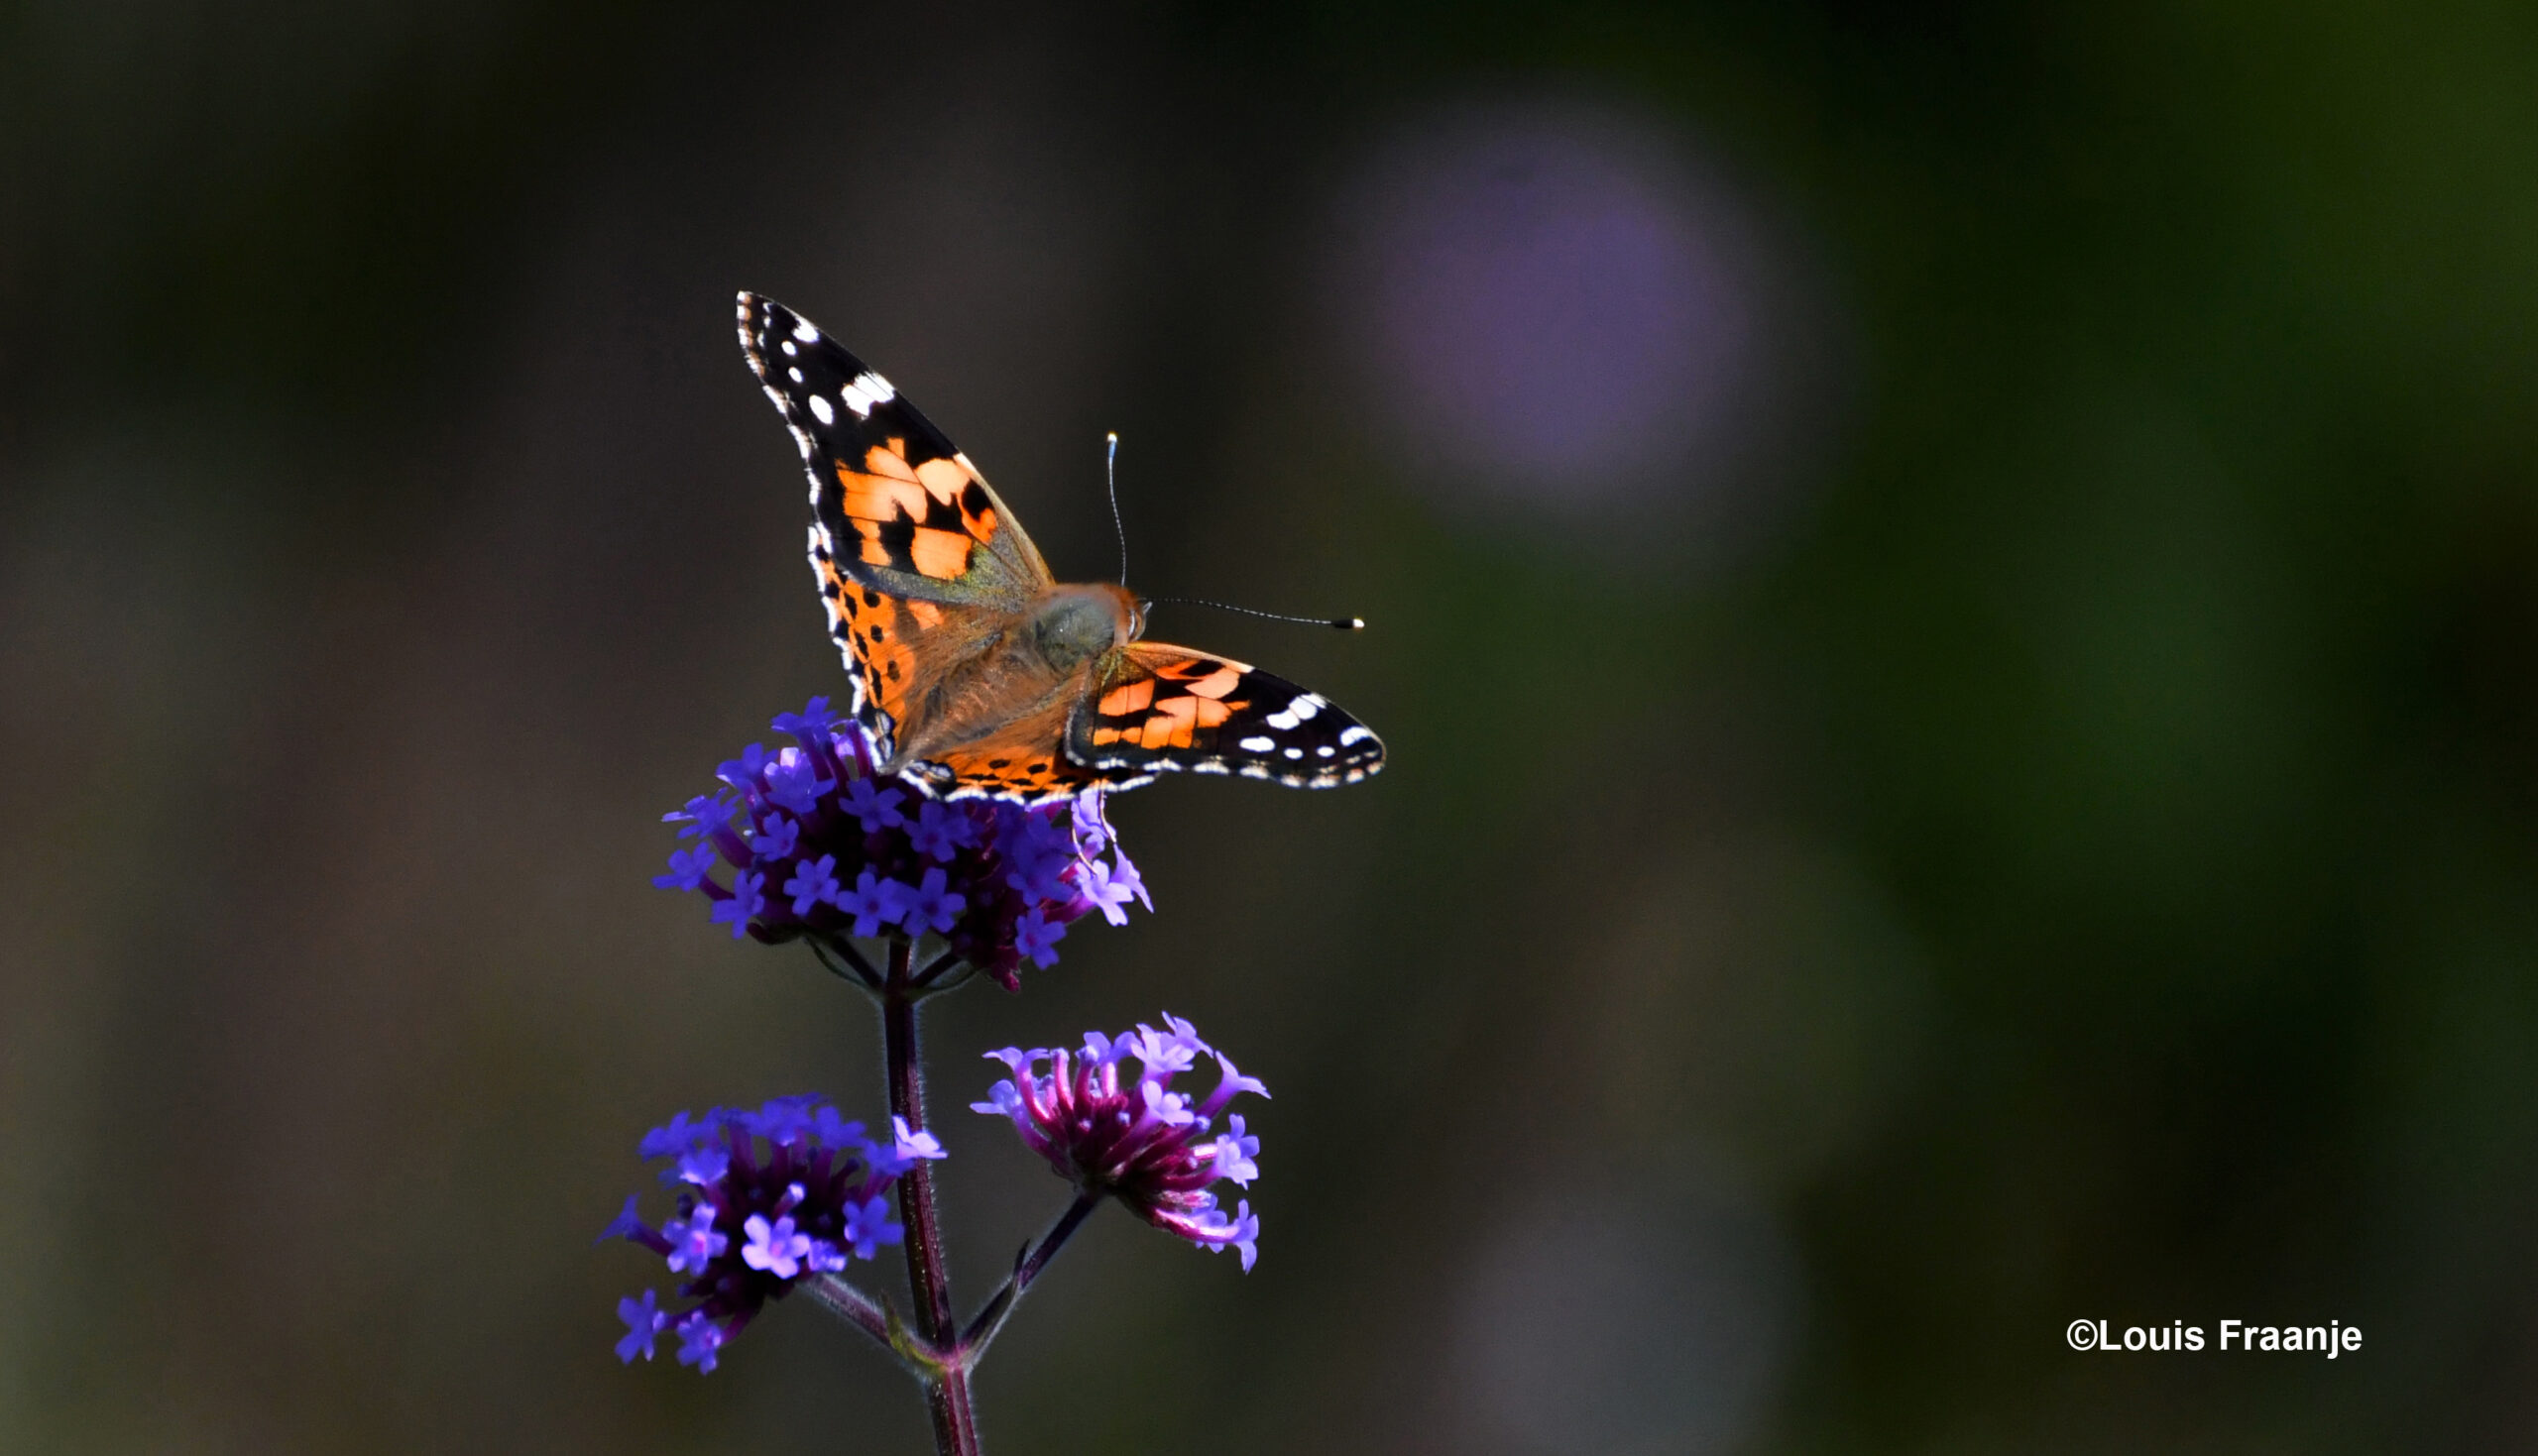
pixel 991 1319
pixel 872 1316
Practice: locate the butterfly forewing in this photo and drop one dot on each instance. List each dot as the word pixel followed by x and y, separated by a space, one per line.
pixel 903 511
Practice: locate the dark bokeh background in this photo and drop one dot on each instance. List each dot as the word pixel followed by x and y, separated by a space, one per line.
pixel 1954 605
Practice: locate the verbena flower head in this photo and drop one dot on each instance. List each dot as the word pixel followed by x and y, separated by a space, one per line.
pixel 767 1198
pixel 1130 1135
pixel 818 842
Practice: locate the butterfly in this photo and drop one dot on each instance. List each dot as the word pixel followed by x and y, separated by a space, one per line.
pixel 975 671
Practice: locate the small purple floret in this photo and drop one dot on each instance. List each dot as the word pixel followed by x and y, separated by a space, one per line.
pixel 693 1242
pixel 873 902
pixel 744 901
pixel 745 772
pixel 643 1322
pixel 942 830
pixel 794 781
pixel 775 1247
pixel 702 1164
pixel 698 1339
pixel 688 870
pixel 627 1224
pixel 908 1149
pixel 811 726
pixel 1232 1154
pixel 774 839
pixel 875 809
pixel 677 1134
pixel 1037 937
pixel 932 905
pixel 1109 896
pixel 813 883
pixel 703 816
pixel 868 1226
pixel 1212 1230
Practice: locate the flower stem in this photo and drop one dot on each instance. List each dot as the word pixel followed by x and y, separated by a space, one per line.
pixel 935 970
pixel 956 1422
pixel 983 1329
pixel 870 1316
pixel 844 961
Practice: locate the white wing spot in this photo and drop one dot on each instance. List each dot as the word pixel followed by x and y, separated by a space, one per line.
pixel 819 407
pixel 795 374
pixel 1284 722
pixel 1356 732
pixel 868 389
pixel 1325 750
pixel 1305 706
pixel 1257 745
pixel 1295 752
pixel 789 348
pixel 803 331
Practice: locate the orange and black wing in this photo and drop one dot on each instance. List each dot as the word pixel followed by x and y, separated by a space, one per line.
pixel 903 511
pixel 1158 708
pixel 899 648
pixel 1021 761
pixel 918 561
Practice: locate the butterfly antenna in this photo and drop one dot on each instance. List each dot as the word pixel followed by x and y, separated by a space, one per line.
pixel 1343 623
pixel 1110 468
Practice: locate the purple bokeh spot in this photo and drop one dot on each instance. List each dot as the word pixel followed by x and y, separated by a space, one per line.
pixel 1555 305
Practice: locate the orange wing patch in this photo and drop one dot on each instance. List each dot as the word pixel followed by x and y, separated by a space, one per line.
pixel 1020 760
pixel 1186 698
pixel 927 517
pixel 1119 702
pixel 1175 723
pixel 878 635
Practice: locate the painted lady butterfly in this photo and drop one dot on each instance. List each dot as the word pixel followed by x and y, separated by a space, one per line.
pixel 975 670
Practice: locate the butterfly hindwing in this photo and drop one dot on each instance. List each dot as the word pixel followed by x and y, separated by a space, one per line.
pixel 1159 708
pixel 897 648
pixel 1022 762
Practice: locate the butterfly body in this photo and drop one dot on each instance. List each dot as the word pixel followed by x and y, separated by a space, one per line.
pixel 978 672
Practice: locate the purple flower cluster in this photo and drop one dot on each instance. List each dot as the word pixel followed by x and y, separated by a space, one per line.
pixel 752 1221
pixel 1134 1137
pixel 819 843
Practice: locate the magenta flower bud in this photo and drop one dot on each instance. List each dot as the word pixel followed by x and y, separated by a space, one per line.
pixel 1134 1137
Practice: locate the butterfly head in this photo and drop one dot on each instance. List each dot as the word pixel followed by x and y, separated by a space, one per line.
pixel 1075 623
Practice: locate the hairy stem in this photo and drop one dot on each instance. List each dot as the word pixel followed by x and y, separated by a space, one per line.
pixel 956 1422
pixel 872 1316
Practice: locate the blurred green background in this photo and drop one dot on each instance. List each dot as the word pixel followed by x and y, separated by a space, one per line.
pixel 1955 596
